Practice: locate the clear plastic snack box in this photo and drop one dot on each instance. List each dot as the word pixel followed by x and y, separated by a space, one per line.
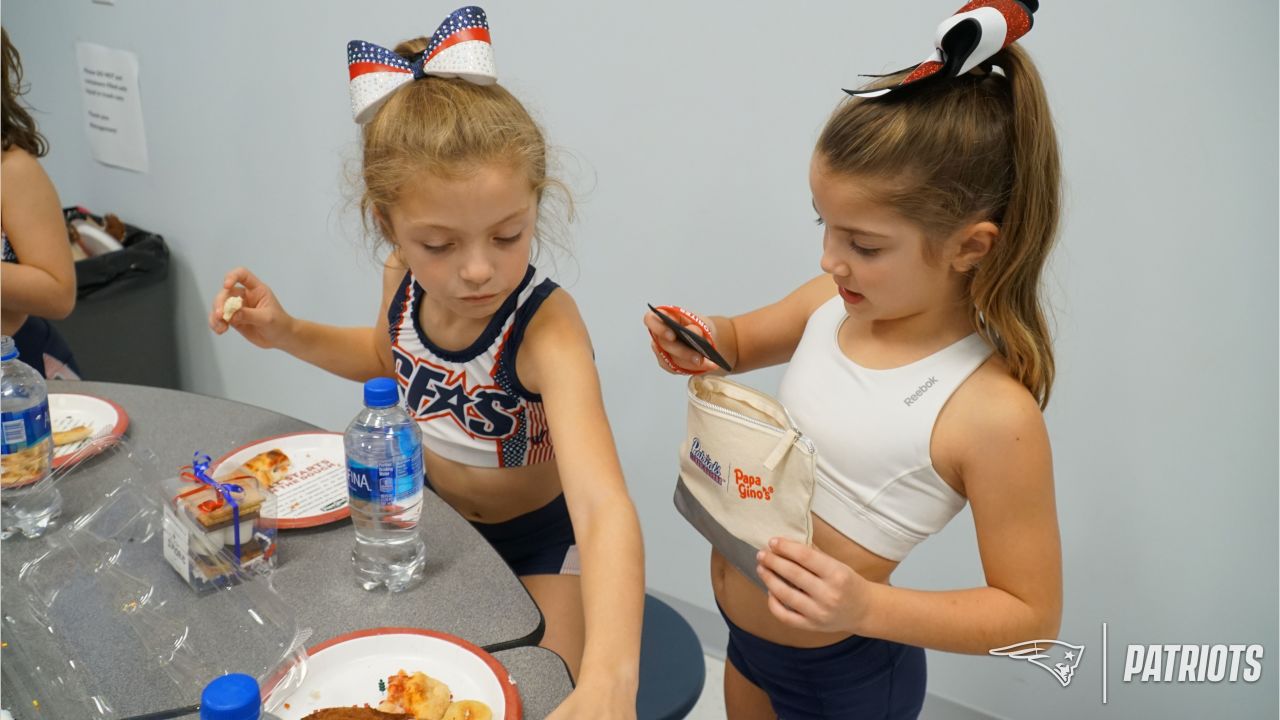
pixel 215 525
pixel 98 625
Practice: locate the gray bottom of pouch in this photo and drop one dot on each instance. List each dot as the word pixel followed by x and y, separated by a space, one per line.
pixel 741 554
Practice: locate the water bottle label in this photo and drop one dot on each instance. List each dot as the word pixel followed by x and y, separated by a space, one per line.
pixel 25 428
pixel 385 483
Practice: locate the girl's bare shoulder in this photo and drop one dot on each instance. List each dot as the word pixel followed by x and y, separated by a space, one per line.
pixel 990 410
pixel 18 164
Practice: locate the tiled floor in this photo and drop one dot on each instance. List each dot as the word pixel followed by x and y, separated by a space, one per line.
pixel 711 705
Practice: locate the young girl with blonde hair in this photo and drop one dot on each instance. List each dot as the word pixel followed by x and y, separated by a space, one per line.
pixel 491 356
pixel 920 363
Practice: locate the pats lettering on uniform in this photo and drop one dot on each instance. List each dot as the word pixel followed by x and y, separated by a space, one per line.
pixel 493 414
pixel 483 411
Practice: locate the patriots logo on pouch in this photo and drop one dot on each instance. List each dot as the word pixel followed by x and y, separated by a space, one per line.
pixel 1041 652
pixel 703 460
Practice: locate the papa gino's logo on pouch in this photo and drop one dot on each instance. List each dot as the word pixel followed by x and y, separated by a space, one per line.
pixel 704 461
pixel 751 487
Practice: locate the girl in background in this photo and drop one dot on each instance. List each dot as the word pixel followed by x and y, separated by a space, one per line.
pixel 37 275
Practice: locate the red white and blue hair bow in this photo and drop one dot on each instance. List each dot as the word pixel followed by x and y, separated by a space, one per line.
pixel 968 38
pixel 459 48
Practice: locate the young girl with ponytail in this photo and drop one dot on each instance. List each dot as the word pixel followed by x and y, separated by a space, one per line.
pixel 919 364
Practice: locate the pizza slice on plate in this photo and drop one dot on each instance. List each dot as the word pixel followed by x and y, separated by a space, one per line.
pixel 269 467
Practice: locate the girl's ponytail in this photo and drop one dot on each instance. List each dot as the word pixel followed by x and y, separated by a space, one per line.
pixel 1005 288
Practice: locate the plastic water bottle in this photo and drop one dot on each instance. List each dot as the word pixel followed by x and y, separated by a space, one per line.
pixel 384 488
pixel 233 697
pixel 27 452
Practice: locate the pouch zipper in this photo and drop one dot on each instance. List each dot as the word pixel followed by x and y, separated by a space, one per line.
pixel 800 437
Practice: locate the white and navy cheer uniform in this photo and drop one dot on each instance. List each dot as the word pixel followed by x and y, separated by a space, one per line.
pixel 473 410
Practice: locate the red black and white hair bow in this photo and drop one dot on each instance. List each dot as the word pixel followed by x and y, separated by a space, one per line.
pixel 968 38
pixel 459 48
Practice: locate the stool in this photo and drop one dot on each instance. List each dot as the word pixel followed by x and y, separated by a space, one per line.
pixel 672 668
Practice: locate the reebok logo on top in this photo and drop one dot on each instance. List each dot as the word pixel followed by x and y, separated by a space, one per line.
pixel 908 400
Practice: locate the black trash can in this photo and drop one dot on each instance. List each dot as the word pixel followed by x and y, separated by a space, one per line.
pixel 123 327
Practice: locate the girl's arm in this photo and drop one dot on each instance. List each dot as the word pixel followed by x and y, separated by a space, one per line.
pixel 1008 478
pixel 559 365
pixel 355 353
pixel 760 338
pixel 43 282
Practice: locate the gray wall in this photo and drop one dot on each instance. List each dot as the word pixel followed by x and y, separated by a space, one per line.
pixel 686 129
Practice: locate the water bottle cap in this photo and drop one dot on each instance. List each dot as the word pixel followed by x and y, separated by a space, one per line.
pixel 8 349
pixel 231 697
pixel 381 392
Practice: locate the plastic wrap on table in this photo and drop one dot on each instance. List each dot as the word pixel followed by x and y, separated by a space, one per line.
pixel 100 626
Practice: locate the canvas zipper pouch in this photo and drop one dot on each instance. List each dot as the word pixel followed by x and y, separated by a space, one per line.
pixel 746 471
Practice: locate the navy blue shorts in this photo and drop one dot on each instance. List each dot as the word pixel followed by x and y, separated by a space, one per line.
pixel 536 543
pixel 42 347
pixel 857 678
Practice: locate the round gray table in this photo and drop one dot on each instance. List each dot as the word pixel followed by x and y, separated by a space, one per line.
pixel 541 677
pixel 468 591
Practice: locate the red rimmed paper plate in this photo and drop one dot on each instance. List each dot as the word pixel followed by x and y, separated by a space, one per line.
pixel 346 670
pixel 314 491
pixel 71 410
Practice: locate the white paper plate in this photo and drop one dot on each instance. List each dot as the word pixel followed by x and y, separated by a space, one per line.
pixel 104 418
pixel 314 491
pixel 345 671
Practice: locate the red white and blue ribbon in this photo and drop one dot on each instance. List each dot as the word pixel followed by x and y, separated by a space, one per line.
pixel 459 48
pixel 968 38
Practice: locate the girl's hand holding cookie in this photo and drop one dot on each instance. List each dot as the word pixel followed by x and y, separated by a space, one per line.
pixel 248 305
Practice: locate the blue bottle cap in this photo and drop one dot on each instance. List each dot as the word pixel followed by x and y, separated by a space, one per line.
pixel 381 392
pixel 231 697
pixel 9 348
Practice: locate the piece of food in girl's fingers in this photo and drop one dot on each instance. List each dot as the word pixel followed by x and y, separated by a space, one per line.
pixel 231 307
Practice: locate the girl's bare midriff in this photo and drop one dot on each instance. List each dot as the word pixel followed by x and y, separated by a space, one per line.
pixel 491 494
pixel 748 607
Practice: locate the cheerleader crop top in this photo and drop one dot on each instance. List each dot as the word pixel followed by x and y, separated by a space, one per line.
pixel 469 403
pixel 876 482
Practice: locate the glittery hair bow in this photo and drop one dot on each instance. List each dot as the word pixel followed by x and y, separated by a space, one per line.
pixel 460 48
pixel 971 36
